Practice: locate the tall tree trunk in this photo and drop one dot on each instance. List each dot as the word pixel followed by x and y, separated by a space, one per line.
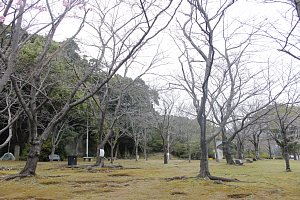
pixel 52 152
pixel 165 149
pixel 285 154
pixel 286 157
pixel 145 147
pixel 240 148
pixel 32 158
pixel 204 170
pixel 117 151
pixel 99 160
pixel 226 150
pixel 168 144
pixel 165 155
pixel 256 150
pixel 201 118
pixel 216 150
pixel 256 147
pixel 136 146
pixel 227 153
pixel 189 152
pixel 112 153
pixel 269 148
pixel 136 151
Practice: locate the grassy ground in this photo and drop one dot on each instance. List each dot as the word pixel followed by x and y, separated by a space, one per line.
pixel 264 179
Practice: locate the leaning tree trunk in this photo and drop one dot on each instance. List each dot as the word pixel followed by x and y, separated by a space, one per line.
pixel 32 159
pixel 226 150
pixel 286 157
pixel 165 154
pixel 227 153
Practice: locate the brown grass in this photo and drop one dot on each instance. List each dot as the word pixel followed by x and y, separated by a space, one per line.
pixel 265 179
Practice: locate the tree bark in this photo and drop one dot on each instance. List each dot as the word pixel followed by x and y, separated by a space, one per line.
pixel 240 148
pixel 99 160
pixel 117 151
pixel 32 159
pixel 52 152
pixel 165 149
pixel 256 149
pixel 112 154
pixel 227 153
pixel 136 151
pixel 145 146
pixel 216 151
pixel 189 152
pixel 226 150
pixel 286 157
pixel 204 170
pixel 269 148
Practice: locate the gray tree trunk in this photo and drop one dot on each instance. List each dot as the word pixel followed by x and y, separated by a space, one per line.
pixel 227 153
pixel 216 151
pixel 226 150
pixel 32 159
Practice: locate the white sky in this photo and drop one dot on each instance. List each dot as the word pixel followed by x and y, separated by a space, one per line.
pixel 252 12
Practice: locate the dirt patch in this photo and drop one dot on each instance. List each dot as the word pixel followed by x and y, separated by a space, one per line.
pixel 107 190
pixel 114 166
pixel 87 181
pixel 118 175
pixel 238 196
pixel 179 193
pixel 49 182
pixel 176 178
pixel 57 176
pixel 32 198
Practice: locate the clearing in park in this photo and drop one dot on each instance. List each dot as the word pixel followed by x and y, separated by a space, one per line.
pixel 264 179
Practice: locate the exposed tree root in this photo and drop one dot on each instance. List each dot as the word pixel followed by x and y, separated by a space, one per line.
pixel 213 178
pixel 176 178
pixel 216 178
pixel 17 176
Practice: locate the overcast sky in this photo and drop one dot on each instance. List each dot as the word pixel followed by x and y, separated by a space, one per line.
pixel 251 12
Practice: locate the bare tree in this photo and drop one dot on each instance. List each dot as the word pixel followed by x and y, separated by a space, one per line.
pixel 56 137
pixel 284 127
pixel 199 31
pixel 287 38
pixel 163 126
pixel 118 36
pixel 143 28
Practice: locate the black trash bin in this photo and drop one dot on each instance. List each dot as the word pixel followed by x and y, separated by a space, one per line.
pixel 72 160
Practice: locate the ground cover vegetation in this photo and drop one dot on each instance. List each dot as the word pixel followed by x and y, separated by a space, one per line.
pixel 149 180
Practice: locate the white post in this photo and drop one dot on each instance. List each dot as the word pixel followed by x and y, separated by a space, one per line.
pixel 87 138
pixel 168 145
